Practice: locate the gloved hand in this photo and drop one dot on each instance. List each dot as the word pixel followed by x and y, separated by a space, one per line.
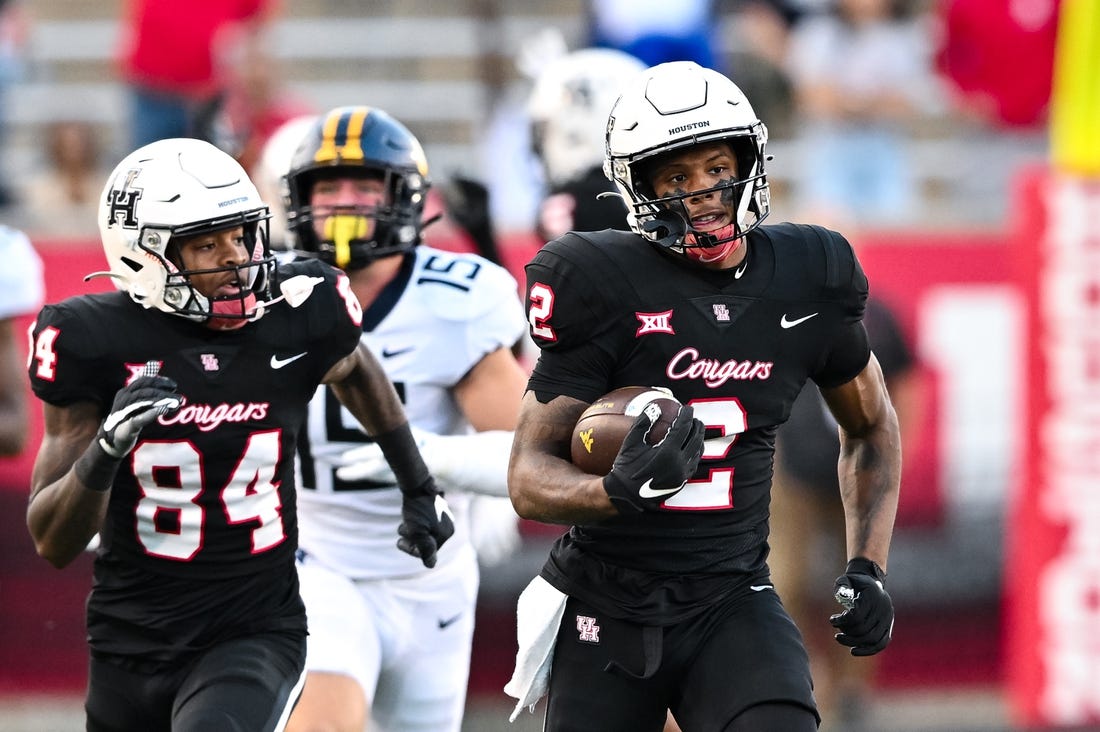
pixel 426 522
pixel 644 476
pixel 136 405
pixel 868 619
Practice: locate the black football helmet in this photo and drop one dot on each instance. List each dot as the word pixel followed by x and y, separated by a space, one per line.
pixel 367 142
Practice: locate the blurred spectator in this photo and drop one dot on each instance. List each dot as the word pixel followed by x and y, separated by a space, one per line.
pixel 61 201
pixel 757 59
pixel 860 73
pixel 655 31
pixel 21 292
pixel 506 159
pixel 808 528
pixel 14 31
pixel 1001 101
pixel 982 52
pixel 255 102
pixel 169 58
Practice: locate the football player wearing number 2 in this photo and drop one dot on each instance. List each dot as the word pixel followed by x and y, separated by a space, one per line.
pixel 660 591
pixel 172 410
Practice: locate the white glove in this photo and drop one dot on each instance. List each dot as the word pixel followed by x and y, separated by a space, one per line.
pixel 477 463
pixel 494 529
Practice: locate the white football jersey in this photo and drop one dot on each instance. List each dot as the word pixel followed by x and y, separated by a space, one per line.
pixel 21 288
pixel 453 311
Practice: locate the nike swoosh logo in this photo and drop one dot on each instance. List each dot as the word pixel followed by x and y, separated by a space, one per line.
pixel 646 492
pixel 761 588
pixel 387 353
pixel 278 363
pixel 792 323
pixel 447 622
pixel 740 271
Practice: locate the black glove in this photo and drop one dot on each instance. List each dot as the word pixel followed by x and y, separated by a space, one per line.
pixel 868 621
pixel 644 476
pixel 426 522
pixel 136 405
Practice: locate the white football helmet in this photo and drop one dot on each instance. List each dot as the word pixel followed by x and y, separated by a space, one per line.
pixel 568 107
pixel 176 188
pixel 271 170
pixel 673 106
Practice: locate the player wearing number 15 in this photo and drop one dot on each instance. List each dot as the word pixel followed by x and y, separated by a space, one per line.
pixel 172 410
pixel 661 587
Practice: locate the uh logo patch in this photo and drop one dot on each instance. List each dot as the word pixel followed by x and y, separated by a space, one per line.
pixel 587 630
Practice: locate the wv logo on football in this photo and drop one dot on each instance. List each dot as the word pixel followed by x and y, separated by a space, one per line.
pixel 586 439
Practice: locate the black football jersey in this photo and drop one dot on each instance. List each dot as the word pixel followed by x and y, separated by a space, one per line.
pixel 206 499
pixel 609 309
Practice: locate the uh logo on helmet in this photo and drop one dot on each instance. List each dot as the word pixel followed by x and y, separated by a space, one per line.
pixel 179 188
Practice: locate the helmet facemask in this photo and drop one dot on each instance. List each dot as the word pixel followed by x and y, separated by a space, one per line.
pixel 353 236
pixel 256 277
pixel 665 219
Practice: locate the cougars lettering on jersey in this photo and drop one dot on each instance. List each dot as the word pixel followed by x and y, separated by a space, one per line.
pixel 208 491
pixel 437 319
pixel 609 309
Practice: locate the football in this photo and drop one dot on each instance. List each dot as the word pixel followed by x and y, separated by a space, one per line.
pixel 601 428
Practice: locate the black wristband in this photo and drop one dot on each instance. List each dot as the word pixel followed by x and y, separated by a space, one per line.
pixel 96 468
pixel 401 452
pixel 863 565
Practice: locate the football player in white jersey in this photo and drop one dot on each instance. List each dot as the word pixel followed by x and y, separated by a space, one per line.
pixel 21 291
pixel 390 641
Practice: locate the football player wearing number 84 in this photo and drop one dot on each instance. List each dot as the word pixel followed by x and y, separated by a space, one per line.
pixel 659 596
pixel 172 410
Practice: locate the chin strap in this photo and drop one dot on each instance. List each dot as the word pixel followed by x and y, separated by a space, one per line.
pixel 667 228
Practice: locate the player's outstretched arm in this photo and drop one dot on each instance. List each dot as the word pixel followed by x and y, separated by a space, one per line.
pixel 870 477
pixel 476 463
pixel 542 482
pixel 362 386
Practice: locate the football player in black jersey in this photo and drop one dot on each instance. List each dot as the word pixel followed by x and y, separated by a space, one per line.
pixel 172 410
pixel 663 592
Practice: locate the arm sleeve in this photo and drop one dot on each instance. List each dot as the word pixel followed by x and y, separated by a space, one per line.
pixel 21 285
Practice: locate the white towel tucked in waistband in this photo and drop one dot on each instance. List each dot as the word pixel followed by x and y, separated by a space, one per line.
pixel 538 615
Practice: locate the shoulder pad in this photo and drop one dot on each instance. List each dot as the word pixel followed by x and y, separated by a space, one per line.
pixel 813 259
pixel 69 342
pixel 579 284
pixel 461 286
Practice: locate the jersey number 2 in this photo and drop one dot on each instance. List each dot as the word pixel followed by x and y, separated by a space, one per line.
pixel 714 492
